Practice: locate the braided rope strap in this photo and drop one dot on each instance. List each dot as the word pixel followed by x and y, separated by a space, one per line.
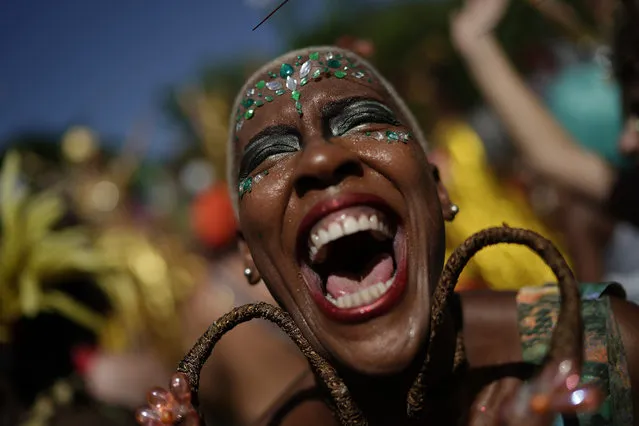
pixel 344 407
pixel 567 337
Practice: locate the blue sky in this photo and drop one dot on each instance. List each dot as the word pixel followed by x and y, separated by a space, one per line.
pixel 106 63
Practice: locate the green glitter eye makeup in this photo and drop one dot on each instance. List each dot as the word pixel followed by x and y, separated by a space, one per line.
pixel 246 185
pixel 291 76
pixel 390 136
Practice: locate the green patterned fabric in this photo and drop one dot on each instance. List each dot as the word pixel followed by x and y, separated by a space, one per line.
pixel 605 359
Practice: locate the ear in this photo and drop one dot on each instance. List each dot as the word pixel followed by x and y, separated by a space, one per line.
pixel 448 208
pixel 249 265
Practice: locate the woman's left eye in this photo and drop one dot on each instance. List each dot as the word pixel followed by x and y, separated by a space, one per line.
pixel 361 120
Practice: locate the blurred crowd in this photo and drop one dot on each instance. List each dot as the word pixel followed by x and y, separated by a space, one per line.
pixel 112 265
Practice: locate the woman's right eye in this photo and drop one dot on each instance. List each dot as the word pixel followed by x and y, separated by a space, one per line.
pixel 269 148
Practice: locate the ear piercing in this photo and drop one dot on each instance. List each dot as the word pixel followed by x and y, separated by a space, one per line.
pixel 248 272
pixel 454 210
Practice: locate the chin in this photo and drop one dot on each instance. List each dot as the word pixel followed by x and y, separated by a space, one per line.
pixel 390 353
pixel 368 315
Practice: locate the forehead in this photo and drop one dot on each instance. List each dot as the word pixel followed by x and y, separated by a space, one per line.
pixel 298 85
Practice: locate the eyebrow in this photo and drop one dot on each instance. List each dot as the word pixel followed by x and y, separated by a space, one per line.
pixel 278 130
pixel 333 109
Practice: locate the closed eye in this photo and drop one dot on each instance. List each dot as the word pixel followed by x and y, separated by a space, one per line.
pixel 267 145
pixel 359 113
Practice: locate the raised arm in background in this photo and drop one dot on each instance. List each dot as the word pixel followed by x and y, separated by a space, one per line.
pixel 544 144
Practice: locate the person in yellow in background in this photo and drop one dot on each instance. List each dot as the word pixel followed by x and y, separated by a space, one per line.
pixel 484 202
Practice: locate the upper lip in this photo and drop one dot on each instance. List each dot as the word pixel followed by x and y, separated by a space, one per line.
pixel 333 204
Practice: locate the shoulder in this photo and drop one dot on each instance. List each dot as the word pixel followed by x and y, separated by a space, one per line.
pixel 491 327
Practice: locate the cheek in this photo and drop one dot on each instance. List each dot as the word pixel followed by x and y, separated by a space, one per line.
pixel 261 208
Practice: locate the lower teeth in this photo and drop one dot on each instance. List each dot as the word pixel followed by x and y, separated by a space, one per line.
pixel 361 297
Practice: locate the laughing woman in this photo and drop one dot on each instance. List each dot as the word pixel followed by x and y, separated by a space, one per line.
pixel 343 218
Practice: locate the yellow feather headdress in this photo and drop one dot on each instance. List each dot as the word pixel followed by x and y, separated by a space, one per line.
pixel 34 254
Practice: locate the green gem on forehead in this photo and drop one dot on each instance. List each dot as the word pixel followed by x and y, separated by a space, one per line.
pixel 368 133
pixel 246 103
pixel 245 186
pixel 295 95
pixel 314 56
pixel 299 56
pixel 272 74
pixel 339 74
pixel 249 114
pixel 259 103
pixel 286 70
pixel 303 81
pixel 317 74
pixel 268 98
pixel 334 63
pixel 280 92
pixel 297 64
pixel 260 84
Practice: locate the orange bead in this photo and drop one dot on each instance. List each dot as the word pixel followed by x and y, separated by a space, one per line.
pixel 540 404
pixel 180 388
pixel 159 398
pixel 144 415
pixel 167 418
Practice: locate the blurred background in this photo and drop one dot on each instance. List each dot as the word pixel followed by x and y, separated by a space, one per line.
pixel 117 229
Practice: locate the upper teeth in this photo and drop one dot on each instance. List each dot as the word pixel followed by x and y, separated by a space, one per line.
pixel 345 225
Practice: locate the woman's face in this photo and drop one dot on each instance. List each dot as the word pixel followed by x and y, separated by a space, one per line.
pixel 344 226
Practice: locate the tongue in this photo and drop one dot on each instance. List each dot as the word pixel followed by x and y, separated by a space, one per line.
pixel 381 270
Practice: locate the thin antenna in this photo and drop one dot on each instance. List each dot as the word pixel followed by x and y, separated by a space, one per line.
pixel 270 14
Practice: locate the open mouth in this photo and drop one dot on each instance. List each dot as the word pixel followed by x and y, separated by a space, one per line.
pixel 352 259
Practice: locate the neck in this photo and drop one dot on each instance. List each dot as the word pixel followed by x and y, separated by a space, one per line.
pixel 383 399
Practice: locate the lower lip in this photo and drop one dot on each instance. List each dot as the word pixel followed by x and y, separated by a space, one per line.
pixel 379 306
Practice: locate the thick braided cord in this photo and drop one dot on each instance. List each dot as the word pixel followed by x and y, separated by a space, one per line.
pixel 344 407
pixel 567 338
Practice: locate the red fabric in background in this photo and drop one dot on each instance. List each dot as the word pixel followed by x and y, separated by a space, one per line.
pixel 212 217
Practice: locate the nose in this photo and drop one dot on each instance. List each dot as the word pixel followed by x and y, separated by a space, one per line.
pixel 629 140
pixel 324 164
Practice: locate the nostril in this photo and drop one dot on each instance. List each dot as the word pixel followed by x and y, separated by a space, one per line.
pixel 317 181
pixel 350 168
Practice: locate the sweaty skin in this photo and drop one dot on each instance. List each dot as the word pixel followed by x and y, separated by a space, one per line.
pixel 319 164
pixel 328 165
